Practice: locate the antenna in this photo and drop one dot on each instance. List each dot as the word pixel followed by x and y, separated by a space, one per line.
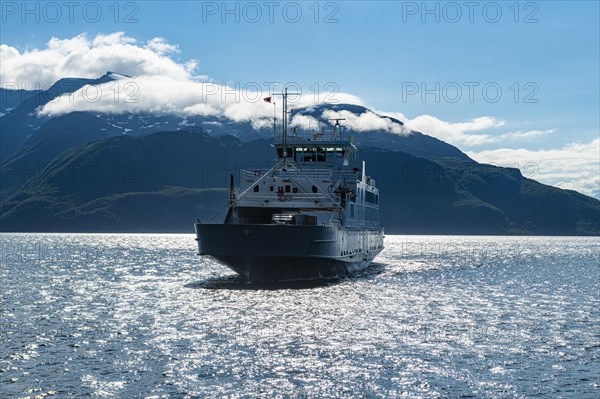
pixel 274 123
pixel 338 125
pixel 285 118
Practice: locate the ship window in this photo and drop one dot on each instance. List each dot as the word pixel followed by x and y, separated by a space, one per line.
pixel 314 189
pixel 371 197
pixel 295 190
pixel 287 188
pixel 320 154
pixel 310 155
pixel 271 188
pixel 351 210
pixel 256 188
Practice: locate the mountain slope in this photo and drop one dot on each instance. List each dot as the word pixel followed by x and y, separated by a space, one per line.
pixel 412 142
pixel 54 137
pixel 20 125
pixel 23 121
pixel 58 134
pixel 130 183
pixel 12 98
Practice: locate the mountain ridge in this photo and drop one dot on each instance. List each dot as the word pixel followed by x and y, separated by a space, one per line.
pixel 185 175
pixel 89 171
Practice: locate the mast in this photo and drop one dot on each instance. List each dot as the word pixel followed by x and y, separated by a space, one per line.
pixel 274 125
pixel 284 135
pixel 231 191
pixel 284 122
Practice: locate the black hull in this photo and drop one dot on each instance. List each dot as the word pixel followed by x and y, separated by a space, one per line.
pixel 280 252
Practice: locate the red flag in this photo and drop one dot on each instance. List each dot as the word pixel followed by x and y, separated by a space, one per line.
pixel 267 99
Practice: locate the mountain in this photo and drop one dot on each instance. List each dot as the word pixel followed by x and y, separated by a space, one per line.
pixel 11 98
pixel 413 142
pixel 20 123
pixel 91 171
pixel 164 181
pixel 29 141
pixel 54 137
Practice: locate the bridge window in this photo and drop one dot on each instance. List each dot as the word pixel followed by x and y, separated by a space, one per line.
pixel 256 188
pixel 335 152
pixel 314 189
pixel 371 197
pixel 320 154
pixel 317 154
pixel 287 188
pixel 309 155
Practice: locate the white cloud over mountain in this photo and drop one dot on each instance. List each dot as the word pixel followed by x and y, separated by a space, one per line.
pixel 367 121
pixel 457 133
pixel 160 84
pixel 82 57
pixel 574 166
pixel 163 94
pixel 163 84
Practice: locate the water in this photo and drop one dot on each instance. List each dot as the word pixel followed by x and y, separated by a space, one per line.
pixel 130 316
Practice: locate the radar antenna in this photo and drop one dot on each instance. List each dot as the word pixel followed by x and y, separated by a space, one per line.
pixel 337 125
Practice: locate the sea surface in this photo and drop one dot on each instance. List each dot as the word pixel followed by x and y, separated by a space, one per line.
pixel 128 316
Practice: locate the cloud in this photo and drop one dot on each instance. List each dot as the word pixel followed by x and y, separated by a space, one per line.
pixel 160 84
pixel 160 46
pixel 305 122
pixel 365 122
pixel 200 110
pixel 526 135
pixel 575 166
pixel 82 57
pixel 166 95
pixel 459 133
pixel 464 133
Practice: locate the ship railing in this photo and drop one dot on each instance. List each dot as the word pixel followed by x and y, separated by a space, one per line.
pixel 251 174
pixel 287 171
pixel 315 174
pixel 285 197
pixel 349 177
pixel 318 176
pixel 323 135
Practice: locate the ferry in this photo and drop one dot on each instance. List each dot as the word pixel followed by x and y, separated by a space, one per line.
pixel 313 214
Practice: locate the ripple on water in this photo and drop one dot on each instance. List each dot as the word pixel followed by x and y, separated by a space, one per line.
pixel 143 316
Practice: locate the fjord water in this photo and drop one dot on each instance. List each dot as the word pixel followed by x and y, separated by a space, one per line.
pixel 129 316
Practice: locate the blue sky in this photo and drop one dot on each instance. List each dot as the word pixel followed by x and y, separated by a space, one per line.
pixel 543 56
